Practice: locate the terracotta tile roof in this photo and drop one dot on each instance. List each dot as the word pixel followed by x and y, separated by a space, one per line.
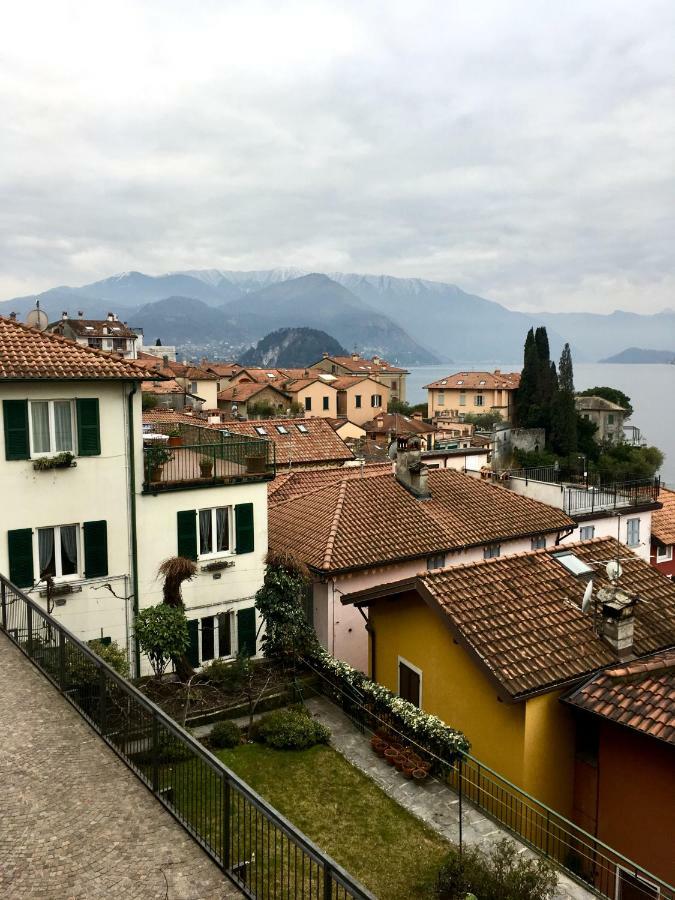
pixel 318 443
pixel 663 520
pixel 392 422
pixel 639 695
pixel 345 382
pixel 292 387
pixel 244 390
pixel 27 354
pixel 93 328
pixel 362 365
pixel 489 380
pixel 224 370
pixel 168 416
pixel 166 386
pixel 358 523
pixel 599 404
pixel 299 482
pixel 197 373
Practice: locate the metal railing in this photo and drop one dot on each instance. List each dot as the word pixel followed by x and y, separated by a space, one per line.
pixel 580 501
pixel 546 474
pixel 594 864
pixel 220 460
pixel 263 853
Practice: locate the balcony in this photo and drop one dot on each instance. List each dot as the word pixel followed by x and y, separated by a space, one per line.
pixel 580 501
pixel 222 460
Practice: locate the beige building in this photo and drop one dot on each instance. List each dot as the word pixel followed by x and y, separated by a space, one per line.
pixel 392 377
pixel 606 416
pixel 246 395
pixel 473 392
pixel 315 395
pixel 359 399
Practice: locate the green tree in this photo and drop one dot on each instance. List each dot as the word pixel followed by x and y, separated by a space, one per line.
pixel 563 412
pixel 623 462
pixel 529 380
pixel 280 602
pixel 484 421
pixel 162 633
pixel 614 395
pixel 149 401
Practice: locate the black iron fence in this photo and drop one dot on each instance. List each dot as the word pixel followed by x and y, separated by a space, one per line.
pixel 626 494
pixel 579 854
pixel 221 460
pixel 260 850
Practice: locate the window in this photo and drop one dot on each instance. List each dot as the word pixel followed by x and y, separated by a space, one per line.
pixel 57 551
pixel 393 384
pixel 462 398
pixel 210 638
pixel 664 552
pixel 376 400
pixel 436 562
pixel 587 533
pixel 214 531
pixel 633 532
pixel 409 682
pixel 333 368
pixel 281 429
pixel 308 404
pixel 260 430
pixel 491 551
pixel 539 542
pixel 441 398
pixel 193 387
pixel 610 419
pixel 326 402
pixel 97 343
pixel 357 401
pixel 302 429
pixel 572 563
pixel 478 400
pixel 51 426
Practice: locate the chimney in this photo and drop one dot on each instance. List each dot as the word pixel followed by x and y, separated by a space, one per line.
pixel 110 317
pixel 64 315
pixel 80 314
pixel 325 354
pixel 498 371
pixel 12 316
pixel 411 472
pixel 165 360
pixel 355 356
pixel 376 360
pixel 618 620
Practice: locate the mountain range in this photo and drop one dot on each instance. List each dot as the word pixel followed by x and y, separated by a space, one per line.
pixel 410 321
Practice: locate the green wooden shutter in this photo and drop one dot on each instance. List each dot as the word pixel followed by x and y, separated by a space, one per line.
pixel 20 546
pixel 246 631
pixel 88 428
pixel 15 415
pixel 187 533
pixel 243 526
pixel 193 647
pixel 95 549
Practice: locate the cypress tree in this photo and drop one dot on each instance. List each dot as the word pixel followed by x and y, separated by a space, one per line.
pixel 564 418
pixel 529 378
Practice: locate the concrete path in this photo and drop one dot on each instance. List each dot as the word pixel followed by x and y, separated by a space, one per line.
pixel 432 802
pixel 74 821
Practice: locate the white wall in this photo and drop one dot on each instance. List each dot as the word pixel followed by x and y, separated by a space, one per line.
pixel 97 488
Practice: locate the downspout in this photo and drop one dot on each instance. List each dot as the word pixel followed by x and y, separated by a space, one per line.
pixel 371 632
pixel 134 537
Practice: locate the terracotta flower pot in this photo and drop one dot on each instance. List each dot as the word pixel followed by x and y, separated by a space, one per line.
pixel 391 755
pixel 408 771
pixel 419 775
pixel 400 762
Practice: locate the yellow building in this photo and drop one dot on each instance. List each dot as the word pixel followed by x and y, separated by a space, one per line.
pixel 315 395
pixel 359 399
pixel 391 377
pixel 473 392
pixel 490 647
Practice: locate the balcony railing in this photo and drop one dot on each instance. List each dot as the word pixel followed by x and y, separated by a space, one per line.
pixel 263 853
pixel 225 460
pixel 627 494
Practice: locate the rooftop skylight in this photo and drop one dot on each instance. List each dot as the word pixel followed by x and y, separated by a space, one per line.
pixel 261 431
pixel 573 564
pixel 302 429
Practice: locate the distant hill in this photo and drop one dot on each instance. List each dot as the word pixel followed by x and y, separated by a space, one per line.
pixel 291 347
pixel 638 355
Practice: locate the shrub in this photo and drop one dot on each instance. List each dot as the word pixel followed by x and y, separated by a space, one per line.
pixel 113 654
pixel 500 875
pixel 290 729
pixel 162 633
pixel 226 675
pixel 225 735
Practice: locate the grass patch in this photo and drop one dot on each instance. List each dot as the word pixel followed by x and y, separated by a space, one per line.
pixel 347 815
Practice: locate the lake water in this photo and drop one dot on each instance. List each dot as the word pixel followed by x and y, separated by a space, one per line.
pixel 650 387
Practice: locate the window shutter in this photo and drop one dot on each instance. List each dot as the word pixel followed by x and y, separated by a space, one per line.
pixel 243 515
pixel 246 631
pixel 187 533
pixel 20 546
pixel 15 415
pixel 193 647
pixel 95 549
pixel 88 429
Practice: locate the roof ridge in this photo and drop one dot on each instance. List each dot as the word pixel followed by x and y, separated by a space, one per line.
pixel 330 543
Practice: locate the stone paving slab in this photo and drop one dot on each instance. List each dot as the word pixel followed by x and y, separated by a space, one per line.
pixel 74 821
pixel 432 802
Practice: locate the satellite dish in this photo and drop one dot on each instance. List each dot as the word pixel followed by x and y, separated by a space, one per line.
pixel 392 451
pixel 614 570
pixel 37 318
pixel 588 594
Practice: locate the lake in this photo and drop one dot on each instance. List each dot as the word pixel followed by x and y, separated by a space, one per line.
pixel 644 384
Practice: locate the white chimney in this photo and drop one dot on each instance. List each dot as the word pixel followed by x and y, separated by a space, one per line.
pixel 64 315
pixel 410 471
pixel 110 317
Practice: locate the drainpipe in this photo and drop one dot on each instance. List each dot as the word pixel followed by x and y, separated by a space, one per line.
pixel 371 632
pixel 134 537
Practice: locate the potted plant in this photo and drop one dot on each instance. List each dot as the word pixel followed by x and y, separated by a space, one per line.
pixel 156 458
pixel 206 466
pixel 175 437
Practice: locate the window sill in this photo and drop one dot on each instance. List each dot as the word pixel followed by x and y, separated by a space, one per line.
pixel 215 565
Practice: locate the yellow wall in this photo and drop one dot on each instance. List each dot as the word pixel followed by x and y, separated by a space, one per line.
pixel 530 743
pixel 316 392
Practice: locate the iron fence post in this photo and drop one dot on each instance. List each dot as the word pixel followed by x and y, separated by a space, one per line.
pixel 548 828
pixel 227 809
pixel 3 604
pixel 327 882
pixel 29 627
pixel 460 804
pixel 62 661
pixel 102 700
pixel 155 754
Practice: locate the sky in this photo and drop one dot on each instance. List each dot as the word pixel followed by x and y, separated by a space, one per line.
pixel 524 151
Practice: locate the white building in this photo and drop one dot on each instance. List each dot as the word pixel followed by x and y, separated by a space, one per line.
pixel 99 520
pixel 99 334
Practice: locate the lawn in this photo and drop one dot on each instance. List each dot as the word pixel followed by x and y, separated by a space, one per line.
pixel 347 815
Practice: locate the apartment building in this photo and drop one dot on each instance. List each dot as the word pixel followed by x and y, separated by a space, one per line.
pixel 101 334
pixel 473 392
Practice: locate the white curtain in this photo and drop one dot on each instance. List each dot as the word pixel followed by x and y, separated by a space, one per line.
pixel 46 551
pixel 222 529
pixel 205 531
pixel 69 549
pixel 63 428
pixel 40 426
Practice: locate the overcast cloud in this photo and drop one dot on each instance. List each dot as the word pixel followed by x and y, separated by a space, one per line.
pixel 522 150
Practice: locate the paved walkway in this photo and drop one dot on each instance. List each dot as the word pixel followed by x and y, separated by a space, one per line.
pixel 74 821
pixel 432 802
